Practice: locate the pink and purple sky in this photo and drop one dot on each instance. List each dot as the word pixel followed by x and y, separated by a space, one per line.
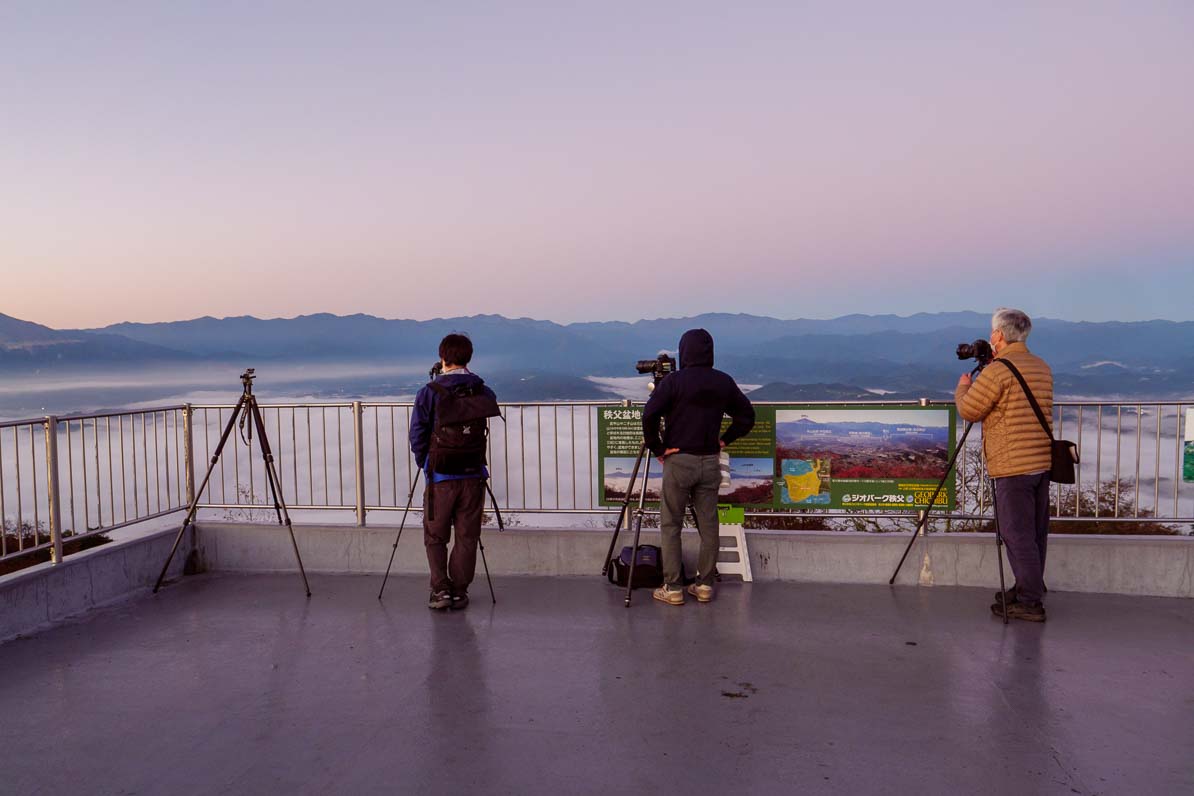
pixel 598 161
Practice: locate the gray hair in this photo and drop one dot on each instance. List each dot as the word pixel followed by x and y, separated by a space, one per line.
pixel 1014 324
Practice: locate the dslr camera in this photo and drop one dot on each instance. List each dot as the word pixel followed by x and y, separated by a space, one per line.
pixel 980 351
pixel 658 367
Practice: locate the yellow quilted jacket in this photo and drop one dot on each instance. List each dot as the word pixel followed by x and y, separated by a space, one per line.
pixel 1013 440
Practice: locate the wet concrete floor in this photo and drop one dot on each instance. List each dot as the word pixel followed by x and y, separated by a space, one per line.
pixel 240 684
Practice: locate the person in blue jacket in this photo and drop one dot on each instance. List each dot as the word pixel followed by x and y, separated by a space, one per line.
pixel 450 500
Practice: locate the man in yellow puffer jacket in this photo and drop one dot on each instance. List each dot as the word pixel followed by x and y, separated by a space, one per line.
pixel 1018 455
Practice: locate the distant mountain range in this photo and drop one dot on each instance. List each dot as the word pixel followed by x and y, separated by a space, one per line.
pixel 853 357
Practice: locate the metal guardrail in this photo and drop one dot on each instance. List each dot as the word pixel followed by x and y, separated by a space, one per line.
pixel 113 470
pixel 76 476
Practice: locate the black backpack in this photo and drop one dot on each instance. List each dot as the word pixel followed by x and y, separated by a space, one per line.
pixel 648 567
pixel 461 428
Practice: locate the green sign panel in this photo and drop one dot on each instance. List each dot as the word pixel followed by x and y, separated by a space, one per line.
pixel 807 457
pixel 1188 460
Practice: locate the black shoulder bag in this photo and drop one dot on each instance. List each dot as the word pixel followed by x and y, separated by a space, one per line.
pixel 1064 452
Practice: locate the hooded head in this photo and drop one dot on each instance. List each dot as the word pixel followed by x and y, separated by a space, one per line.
pixel 696 349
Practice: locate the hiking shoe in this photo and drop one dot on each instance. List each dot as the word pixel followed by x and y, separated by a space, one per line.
pixel 459 601
pixel 703 594
pixel 669 596
pixel 440 600
pixel 1029 612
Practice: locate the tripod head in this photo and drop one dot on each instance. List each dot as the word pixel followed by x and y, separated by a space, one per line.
pixel 246 379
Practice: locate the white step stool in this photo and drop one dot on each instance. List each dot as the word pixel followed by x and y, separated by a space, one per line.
pixel 734 559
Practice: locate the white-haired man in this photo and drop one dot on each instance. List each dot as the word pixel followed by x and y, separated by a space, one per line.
pixel 1018 453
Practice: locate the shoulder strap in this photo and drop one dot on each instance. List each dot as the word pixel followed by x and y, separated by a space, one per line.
pixel 1031 398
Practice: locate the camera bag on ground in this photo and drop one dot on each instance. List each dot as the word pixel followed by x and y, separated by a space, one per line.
pixel 1064 452
pixel 461 429
pixel 648 567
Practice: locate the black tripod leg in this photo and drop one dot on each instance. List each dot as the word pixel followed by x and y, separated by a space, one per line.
pixel 497 512
pixel 485 564
pixel 409 500
pixel 924 519
pixel 275 488
pixel 625 511
pixel 638 529
pixel 194 507
pixel 999 550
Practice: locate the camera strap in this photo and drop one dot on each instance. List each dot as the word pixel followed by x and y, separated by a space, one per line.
pixel 1040 415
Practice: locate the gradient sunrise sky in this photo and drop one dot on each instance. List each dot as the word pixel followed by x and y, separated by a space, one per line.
pixel 595 161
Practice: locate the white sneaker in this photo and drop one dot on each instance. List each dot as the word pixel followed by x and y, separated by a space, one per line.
pixel 703 594
pixel 669 596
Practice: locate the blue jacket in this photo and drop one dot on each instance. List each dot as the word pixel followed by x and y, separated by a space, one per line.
pixel 422 421
pixel 693 399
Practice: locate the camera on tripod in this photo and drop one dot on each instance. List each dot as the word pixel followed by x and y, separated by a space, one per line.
pixel 658 367
pixel 980 351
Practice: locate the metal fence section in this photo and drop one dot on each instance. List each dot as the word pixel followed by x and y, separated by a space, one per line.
pixel 1131 462
pixel 64 478
pixel 315 451
pixel 71 477
pixel 356 456
pixel 543 460
pixel 1130 468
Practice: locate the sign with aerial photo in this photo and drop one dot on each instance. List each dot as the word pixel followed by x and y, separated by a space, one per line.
pixel 620 434
pixel 808 457
pixel 619 438
pixel 862 457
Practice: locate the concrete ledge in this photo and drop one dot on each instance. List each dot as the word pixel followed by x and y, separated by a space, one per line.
pixel 1137 565
pixel 46 594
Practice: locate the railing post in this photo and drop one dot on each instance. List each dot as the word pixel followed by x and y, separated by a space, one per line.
pixel 188 450
pixel 53 489
pixel 358 435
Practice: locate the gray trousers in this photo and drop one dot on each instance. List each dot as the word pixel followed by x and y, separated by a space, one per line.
pixel 1022 505
pixel 689 479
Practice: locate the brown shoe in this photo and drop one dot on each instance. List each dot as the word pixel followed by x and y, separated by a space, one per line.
pixel 703 594
pixel 669 596
pixel 1029 612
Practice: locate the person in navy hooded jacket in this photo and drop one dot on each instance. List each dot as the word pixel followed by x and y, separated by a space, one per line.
pixel 450 500
pixel 693 401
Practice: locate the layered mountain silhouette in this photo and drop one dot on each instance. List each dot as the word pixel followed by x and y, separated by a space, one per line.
pixel 853 357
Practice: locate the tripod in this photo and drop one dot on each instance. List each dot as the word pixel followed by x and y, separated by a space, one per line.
pixel 638 518
pixel 480 545
pixel 922 524
pixel 249 412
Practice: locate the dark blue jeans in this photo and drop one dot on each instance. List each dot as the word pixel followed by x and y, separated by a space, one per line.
pixel 1022 508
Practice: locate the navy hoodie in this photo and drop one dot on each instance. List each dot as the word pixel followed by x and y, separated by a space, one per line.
pixel 422 420
pixel 693 399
